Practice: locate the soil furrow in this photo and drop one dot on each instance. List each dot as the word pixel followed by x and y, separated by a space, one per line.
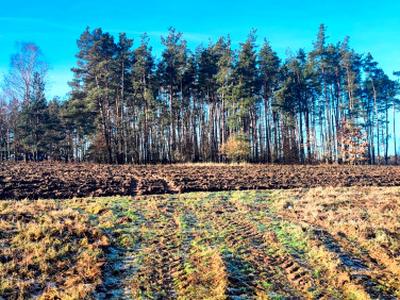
pixel 47 180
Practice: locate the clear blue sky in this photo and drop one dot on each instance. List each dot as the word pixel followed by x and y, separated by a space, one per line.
pixel 373 26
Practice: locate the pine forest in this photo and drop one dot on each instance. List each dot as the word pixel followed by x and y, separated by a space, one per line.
pixel 214 103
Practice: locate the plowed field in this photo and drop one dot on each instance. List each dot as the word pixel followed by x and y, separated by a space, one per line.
pixel 60 181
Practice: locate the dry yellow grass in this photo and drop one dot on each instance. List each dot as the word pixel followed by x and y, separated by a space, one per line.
pixel 204 275
pixel 48 251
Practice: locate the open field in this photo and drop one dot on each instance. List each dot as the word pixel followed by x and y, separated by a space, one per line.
pixel 330 243
pixel 61 181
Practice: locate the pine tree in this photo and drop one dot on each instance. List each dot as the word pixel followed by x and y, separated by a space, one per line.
pixel 54 131
pixel 224 79
pixel 144 100
pixel 248 90
pixel 122 90
pixel 269 68
pixel 171 68
pixel 34 121
pixel 95 75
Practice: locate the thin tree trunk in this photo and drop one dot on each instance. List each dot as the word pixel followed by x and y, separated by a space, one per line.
pixel 394 133
pixel 172 123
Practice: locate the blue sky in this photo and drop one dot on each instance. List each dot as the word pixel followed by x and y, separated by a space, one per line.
pixel 373 26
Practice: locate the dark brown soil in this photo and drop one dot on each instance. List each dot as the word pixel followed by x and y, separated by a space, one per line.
pixel 57 180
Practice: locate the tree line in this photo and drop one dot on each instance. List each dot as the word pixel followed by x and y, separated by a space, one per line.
pixel 127 106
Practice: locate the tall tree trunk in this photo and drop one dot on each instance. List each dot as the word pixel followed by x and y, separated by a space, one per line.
pixel 309 155
pixel 328 118
pixel 105 130
pixel 394 133
pixel 301 138
pixel 387 134
pixel 267 129
pixel 223 128
pixel 172 124
pixel 275 131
